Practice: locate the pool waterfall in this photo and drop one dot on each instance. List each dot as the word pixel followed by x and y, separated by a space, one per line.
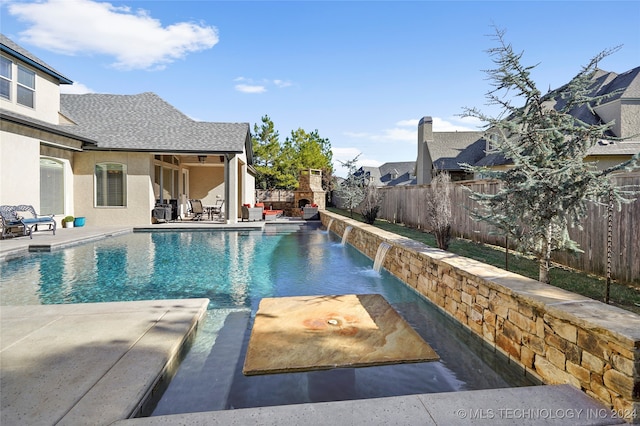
pixel 347 230
pixel 383 249
pixel 329 225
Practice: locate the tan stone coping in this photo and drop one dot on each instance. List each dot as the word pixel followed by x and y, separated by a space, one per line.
pixel 306 333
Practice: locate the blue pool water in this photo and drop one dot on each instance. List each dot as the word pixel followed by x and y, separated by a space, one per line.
pixel 235 269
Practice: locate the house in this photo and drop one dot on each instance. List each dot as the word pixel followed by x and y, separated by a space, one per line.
pixel 447 150
pixel 110 158
pixel 389 174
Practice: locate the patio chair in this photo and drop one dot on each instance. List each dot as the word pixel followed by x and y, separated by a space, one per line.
pixel 31 220
pixel 11 225
pixel 197 209
pixel 217 209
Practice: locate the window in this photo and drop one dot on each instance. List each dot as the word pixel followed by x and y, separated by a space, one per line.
pixel 492 143
pixel 51 186
pixel 166 177
pixel 5 77
pixel 26 87
pixel 111 185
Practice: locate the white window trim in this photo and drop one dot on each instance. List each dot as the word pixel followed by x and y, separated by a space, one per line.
pixel 10 79
pixel 32 89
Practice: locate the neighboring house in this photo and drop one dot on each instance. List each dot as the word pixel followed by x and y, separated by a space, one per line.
pixel 446 151
pixel 389 174
pixel 106 157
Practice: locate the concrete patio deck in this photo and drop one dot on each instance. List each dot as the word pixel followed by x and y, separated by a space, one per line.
pixel 90 363
pixel 99 363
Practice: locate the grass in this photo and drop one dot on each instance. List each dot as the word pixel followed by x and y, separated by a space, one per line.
pixel 623 296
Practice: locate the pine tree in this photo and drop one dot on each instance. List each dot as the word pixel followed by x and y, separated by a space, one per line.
pixel 266 151
pixel 546 190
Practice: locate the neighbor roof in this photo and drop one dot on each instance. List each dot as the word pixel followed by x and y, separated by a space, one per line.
pixel 145 122
pixel 628 85
pixel 8 46
pixel 450 149
pixel 384 175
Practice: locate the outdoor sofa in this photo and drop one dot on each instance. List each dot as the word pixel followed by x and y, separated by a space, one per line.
pixel 24 219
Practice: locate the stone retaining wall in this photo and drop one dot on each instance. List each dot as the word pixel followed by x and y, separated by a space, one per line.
pixel 556 336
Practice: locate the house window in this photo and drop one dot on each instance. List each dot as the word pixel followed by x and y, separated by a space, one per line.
pixel 492 143
pixel 166 177
pixel 51 186
pixel 5 78
pixel 111 185
pixel 26 87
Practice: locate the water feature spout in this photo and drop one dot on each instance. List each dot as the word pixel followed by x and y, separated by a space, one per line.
pixel 329 225
pixel 346 234
pixel 383 248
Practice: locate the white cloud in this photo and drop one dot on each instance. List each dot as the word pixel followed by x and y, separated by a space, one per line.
pixel 248 88
pixel 407 130
pixel 347 154
pixel 397 134
pixel 465 125
pixel 75 89
pixel 357 135
pixel 259 86
pixel 282 83
pixel 413 122
pixel 134 39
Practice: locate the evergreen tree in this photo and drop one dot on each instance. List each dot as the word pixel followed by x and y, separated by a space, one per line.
pixel 308 151
pixel 546 189
pixel 266 151
pixel 279 164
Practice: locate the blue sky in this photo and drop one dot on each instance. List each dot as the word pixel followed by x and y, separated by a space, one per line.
pixel 361 73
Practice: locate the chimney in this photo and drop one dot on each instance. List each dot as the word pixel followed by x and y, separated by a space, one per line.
pixel 424 163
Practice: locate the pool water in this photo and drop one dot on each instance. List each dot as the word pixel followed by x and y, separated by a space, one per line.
pixel 235 269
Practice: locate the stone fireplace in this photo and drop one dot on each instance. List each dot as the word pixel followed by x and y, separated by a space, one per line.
pixel 310 189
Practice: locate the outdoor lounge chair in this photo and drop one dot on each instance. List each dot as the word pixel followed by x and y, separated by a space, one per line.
pixel 197 209
pixel 251 213
pixel 30 220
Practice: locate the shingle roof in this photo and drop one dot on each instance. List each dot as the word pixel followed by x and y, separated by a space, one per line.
pixel 145 122
pixel 384 175
pixel 8 46
pixel 604 147
pixel 604 82
pixel 449 149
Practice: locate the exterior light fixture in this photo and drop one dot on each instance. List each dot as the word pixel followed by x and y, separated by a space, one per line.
pixel 202 158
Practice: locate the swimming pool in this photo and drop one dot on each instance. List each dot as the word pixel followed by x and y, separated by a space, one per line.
pixel 235 269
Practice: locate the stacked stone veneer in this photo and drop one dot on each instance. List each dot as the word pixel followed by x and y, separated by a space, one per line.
pixel 555 335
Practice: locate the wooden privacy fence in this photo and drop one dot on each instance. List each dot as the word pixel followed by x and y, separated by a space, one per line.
pixel 405 204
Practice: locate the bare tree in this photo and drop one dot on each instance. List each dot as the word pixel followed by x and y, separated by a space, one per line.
pixel 371 204
pixel 438 209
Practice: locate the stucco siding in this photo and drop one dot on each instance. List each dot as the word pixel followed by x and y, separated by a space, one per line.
pixel 630 119
pixel 206 183
pixel 47 98
pixel 20 165
pixel 139 202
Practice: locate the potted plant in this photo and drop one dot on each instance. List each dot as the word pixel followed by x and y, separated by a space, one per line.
pixel 67 222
